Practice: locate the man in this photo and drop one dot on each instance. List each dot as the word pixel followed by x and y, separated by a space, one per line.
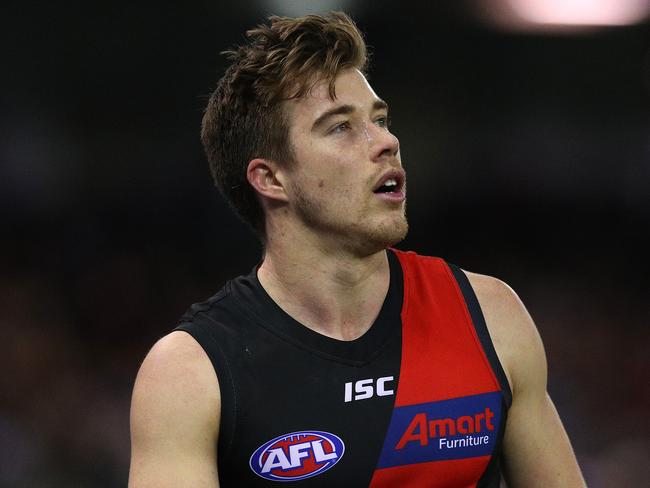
pixel 337 361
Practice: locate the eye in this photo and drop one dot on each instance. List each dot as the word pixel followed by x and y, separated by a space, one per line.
pixel 342 127
pixel 383 121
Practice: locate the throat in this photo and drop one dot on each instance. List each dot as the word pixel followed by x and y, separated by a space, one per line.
pixel 342 330
pixel 326 302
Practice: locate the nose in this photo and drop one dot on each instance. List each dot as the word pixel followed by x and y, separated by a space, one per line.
pixel 383 144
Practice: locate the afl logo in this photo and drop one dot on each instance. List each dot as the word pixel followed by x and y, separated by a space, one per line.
pixel 297 456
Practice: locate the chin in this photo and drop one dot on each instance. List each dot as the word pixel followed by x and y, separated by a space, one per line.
pixel 385 235
pixel 396 233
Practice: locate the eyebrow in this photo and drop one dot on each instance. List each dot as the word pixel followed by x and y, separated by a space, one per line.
pixel 344 110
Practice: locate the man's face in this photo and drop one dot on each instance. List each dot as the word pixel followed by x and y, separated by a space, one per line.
pixel 347 183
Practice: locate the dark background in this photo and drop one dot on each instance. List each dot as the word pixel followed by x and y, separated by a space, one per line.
pixel 528 157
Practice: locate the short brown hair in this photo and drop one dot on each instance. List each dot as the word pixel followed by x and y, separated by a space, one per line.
pixel 244 118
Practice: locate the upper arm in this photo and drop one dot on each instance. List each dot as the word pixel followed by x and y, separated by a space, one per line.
pixel 175 414
pixel 537 449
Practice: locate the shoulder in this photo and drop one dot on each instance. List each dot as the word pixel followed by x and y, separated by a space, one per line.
pixel 177 383
pixel 176 357
pixel 175 413
pixel 497 296
pixel 513 332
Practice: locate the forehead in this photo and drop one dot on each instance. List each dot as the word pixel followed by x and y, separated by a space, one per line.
pixel 351 88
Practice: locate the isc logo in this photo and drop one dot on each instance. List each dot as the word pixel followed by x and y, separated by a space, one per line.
pixel 297 456
pixel 364 388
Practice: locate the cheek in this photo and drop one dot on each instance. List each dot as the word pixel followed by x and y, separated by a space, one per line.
pixel 341 183
pixel 331 171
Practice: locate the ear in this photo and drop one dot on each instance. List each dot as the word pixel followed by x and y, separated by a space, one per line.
pixel 262 174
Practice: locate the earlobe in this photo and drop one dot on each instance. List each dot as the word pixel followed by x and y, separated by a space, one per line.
pixel 262 175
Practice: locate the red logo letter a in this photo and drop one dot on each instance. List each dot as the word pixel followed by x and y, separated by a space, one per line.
pixel 419 422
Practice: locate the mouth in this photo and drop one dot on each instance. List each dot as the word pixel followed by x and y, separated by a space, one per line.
pixel 391 186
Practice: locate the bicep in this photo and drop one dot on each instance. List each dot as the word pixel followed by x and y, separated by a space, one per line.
pixel 175 417
pixel 536 447
pixel 537 450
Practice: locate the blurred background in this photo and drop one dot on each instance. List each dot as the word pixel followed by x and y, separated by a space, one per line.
pixel 525 132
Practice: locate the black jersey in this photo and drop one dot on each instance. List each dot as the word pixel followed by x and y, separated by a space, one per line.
pixel 303 408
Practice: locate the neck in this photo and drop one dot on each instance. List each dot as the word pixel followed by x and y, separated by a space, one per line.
pixel 331 291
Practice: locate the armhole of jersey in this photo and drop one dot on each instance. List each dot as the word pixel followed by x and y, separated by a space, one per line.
pixel 481 330
pixel 211 347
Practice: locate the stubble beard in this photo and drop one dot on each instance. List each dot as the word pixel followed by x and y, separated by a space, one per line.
pixel 358 237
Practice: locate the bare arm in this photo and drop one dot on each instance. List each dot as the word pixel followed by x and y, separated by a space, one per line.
pixel 175 417
pixel 537 449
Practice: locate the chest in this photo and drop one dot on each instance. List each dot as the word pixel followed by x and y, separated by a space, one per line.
pixel 307 418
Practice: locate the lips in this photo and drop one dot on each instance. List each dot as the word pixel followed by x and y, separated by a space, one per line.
pixel 390 182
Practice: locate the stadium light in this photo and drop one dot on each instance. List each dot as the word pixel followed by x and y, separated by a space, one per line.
pixel 560 15
pixel 581 12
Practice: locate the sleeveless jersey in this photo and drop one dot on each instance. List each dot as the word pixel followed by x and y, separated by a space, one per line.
pixel 420 400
